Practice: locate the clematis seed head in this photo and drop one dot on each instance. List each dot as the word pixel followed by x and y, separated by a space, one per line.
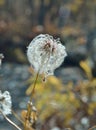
pixel 45 54
pixel 5 103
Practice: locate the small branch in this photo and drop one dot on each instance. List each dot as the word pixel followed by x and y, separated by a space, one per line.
pixel 29 104
pixel 17 117
pixel 11 122
pixel 33 90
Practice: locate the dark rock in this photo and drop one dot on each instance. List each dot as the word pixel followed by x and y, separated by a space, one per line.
pixel 70 74
pixel 73 59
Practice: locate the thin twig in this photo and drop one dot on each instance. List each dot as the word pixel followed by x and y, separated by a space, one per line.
pixel 11 122
pixel 17 117
pixel 33 90
pixel 29 104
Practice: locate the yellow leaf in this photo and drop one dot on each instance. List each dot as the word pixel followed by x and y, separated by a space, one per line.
pixel 92 107
pixel 84 65
pixel 53 80
pixel 29 90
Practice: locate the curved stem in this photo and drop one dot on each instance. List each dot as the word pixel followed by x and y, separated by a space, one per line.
pixel 33 90
pixel 30 102
pixel 17 117
pixel 11 122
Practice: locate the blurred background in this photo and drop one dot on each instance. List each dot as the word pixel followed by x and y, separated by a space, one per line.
pixel 74 22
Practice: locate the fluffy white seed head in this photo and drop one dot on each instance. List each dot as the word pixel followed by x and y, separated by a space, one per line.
pixel 45 54
pixel 5 103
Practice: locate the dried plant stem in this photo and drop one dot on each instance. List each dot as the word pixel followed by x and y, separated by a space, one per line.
pixel 30 103
pixel 33 90
pixel 11 122
pixel 17 117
